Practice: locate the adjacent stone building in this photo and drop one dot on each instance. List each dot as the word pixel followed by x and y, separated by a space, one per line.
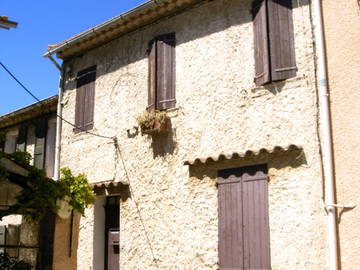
pixel 30 129
pixel 224 169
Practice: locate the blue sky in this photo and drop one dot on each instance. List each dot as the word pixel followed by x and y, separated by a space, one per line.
pixel 42 23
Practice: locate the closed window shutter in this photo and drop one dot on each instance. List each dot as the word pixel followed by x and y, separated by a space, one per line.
pixel 85 99
pixel 165 71
pixel 255 215
pixel 79 110
pixel 281 38
pixel 230 221
pixel 152 76
pixel 261 46
pixel 89 105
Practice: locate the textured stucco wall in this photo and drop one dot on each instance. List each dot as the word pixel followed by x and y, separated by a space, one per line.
pixel 342 36
pixel 219 109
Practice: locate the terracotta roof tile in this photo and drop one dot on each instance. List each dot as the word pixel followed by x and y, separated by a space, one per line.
pixel 248 153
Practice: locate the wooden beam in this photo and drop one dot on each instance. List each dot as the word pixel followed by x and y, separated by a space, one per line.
pixel 4 27
pixel 5 21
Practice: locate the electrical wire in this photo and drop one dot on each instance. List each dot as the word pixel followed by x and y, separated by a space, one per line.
pixel 40 102
pixel 117 148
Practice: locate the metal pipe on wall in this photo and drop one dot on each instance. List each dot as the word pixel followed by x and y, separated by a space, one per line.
pixel 58 120
pixel 326 137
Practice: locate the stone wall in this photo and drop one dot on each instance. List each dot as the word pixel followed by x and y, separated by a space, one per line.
pixel 219 109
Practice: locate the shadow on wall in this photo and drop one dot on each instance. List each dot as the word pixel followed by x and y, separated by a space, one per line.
pixel 293 159
pixel 164 143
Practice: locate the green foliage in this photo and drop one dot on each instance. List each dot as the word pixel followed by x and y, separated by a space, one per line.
pixel 78 189
pixel 41 193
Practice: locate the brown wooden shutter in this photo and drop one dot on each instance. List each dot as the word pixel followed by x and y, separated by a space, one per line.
pixel 261 46
pixel 255 218
pixel 165 71
pixel 79 109
pixel 230 220
pixel 281 39
pixel 85 95
pixel 244 235
pixel 89 105
pixel 152 76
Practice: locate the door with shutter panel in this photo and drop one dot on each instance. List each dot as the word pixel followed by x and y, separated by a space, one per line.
pixel 244 234
pixel 230 220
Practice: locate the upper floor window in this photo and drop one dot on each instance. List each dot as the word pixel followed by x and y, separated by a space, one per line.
pixel 162 72
pixel 85 93
pixel 273 41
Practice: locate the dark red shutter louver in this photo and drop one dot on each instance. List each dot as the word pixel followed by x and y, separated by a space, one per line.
pixel 79 109
pixel 255 215
pixel 85 98
pixel 152 76
pixel 281 39
pixel 89 105
pixel 165 71
pixel 261 47
pixel 230 221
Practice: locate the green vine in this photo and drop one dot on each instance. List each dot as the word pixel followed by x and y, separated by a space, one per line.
pixel 40 194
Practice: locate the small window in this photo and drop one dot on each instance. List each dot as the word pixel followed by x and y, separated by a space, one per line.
pixel 85 93
pixel 162 72
pixel 273 41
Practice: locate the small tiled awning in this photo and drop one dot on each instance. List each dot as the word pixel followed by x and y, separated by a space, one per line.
pixel 108 188
pixel 248 153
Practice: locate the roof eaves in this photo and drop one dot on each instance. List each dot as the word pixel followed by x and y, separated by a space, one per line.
pixel 44 106
pixel 73 40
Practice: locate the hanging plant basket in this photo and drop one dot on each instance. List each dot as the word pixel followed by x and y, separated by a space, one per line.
pixel 153 122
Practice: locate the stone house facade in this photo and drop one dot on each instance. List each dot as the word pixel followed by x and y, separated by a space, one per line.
pixel 235 181
pixel 30 129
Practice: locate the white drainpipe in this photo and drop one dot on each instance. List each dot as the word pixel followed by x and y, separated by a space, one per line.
pixel 327 150
pixel 58 121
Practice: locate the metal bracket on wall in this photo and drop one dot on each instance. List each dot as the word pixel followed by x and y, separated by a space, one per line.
pixel 344 206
